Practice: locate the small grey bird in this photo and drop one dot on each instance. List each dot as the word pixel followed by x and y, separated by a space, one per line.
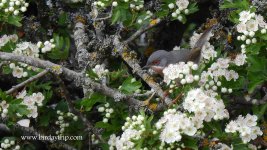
pixel 160 59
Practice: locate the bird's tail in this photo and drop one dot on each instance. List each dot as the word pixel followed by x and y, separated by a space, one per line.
pixel 196 50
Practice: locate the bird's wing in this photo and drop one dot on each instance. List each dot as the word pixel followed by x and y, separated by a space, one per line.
pixel 196 50
pixel 179 56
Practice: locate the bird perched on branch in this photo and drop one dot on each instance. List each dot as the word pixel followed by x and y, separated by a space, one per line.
pixel 160 59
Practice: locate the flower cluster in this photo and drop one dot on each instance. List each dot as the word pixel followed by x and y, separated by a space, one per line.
pixel 13 7
pixel 205 106
pixel 183 72
pixel 31 50
pixel 31 101
pixel 180 9
pixel 27 49
pixel 63 121
pixel 47 46
pixel 173 124
pixel 100 71
pixel 17 71
pixel 149 15
pixel 249 25
pixel 7 38
pixel 246 126
pixel 132 130
pixel 210 79
pixel 208 52
pixel 108 111
pixel 4 108
pixel 136 4
pixel 9 144
pixel 99 4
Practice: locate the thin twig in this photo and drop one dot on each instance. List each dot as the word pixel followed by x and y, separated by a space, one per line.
pixel 142 94
pixel 24 83
pixel 140 32
pixel 104 18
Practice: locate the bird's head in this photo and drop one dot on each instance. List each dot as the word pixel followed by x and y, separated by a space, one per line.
pixel 157 61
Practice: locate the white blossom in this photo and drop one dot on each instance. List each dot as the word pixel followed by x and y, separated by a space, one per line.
pixel 175 124
pixel 198 101
pixel 17 72
pixel 244 16
pixel 246 126
pixel 241 28
pixel 100 71
pixel 262 23
pixel 4 40
pixel 240 59
pixel 27 49
pixel 252 25
pixel 182 4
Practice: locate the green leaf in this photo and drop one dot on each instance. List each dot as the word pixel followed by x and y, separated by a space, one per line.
pixel 263 36
pixel 62 106
pixel 92 74
pixel 88 103
pixel 190 142
pixel 257 71
pixel 128 86
pixel 44 119
pixel 16 107
pixel 254 48
pixel 103 125
pixel 259 110
pixel 115 16
pixel 240 4
pixel 234 15
pixel 239 145
pixel 14 20
pixel 193 8
pixel 6 70
pixel 61 51
pixel 63 18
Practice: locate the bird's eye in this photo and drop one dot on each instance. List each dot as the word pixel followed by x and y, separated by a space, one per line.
pixel 155 62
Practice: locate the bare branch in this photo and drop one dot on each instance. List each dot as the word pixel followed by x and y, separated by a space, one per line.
pixel 24 83
pixel 78 78
pixel 80 37
pixel 133 63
